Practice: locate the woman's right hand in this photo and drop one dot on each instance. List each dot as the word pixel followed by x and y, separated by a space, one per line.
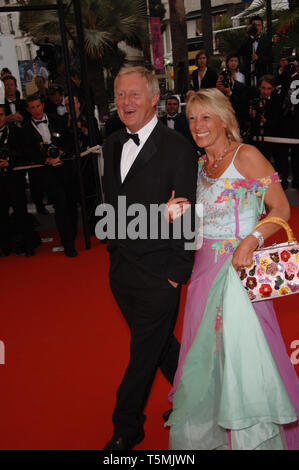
pixel 175 207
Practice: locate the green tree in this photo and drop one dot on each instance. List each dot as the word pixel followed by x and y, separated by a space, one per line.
pixel 105 22
pixel 179 45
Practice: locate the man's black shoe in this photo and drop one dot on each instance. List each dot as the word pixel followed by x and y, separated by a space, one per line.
pixel 123 443
pixel 166 414
pixel 70 252
pixel 5 252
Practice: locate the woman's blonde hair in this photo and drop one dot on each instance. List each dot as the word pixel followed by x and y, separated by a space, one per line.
pixel 217 103
pixel 151 79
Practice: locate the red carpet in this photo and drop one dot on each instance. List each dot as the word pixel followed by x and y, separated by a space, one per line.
pixel 66 348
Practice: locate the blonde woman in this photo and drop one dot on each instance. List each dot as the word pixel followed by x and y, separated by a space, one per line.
pixel 235 385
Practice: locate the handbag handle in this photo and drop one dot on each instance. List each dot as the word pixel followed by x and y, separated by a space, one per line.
pixel 282 223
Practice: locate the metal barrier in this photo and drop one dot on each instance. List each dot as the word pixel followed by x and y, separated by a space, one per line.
pixel 276 140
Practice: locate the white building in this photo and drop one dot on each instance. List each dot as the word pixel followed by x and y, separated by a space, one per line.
pixel 9 25
pixel 219 8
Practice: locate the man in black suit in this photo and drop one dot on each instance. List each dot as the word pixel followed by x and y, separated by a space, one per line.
pixel 239 97
pixel 12 191
pixel 55 104
pixel 203 76
pixel 55 177
pixel 15 107
pixel 256 52
pixel 290 125
pixel 17 115
pixel 181 123
pixel 144 165
pixel 266 111
pixel 172 108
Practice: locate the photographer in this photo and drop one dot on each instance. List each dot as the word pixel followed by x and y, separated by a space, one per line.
pixel 15 107
pixel 265 112
pixel 12 194
pixel 89 162
pixel 232 65
pixel 236 92
pixel 290 123
pixel 47 140
pixel 256 52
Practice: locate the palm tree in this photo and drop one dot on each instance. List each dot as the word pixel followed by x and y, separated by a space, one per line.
pixel 178 30
pixel 105 22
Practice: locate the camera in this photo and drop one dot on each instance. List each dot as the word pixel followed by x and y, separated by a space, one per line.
pixel 5 154
pixel 252 31
pixel 290 69
pixel 258 105
pixel 227 78
pixel 54 149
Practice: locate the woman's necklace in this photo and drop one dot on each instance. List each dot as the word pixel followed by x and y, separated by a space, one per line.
pixel 209 173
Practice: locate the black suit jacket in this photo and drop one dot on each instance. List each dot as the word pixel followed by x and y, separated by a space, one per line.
pixel 208 81
pixel 32 139
pixel 240 102
pixel 264 53
pixel 273 115
pixel 20 108
pixel 13 141
pixel 166 162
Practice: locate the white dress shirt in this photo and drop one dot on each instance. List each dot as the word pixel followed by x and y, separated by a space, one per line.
pixel 12 106
pixel 170 122
pixel 43 129
pixel 130 150
pixel 200 79
pixel 61 108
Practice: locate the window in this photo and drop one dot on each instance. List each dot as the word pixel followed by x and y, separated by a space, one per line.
pixel 19 53
pixel 29 54
pixel 10 24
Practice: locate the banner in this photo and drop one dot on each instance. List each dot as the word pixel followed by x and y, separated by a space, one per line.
pixel 157 43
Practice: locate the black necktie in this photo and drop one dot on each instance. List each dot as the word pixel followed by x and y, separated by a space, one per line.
pixel 41 122
pixel 126 136
pixel 12 102
pixel 170 118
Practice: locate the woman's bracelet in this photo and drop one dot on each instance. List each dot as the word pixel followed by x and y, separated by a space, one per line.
pixel 259 237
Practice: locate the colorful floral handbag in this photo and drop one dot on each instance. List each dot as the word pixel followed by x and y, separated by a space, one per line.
pixel 275 269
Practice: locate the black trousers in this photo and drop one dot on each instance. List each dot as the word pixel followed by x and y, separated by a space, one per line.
pixel 151 315
pixel 12 194
pixel 57 184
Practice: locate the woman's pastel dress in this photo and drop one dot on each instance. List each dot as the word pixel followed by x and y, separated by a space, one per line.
pixel 235 384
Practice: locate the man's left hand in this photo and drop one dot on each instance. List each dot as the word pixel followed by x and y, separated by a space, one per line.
pixel 53 161
pixel 173 283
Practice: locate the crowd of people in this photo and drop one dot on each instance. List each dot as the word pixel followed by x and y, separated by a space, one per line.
pixel 37 151
pixel 259 98
pixel 233 385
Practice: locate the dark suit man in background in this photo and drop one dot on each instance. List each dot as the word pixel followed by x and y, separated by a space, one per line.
pixel 172 105
pixel 256 52
pixel 203 76
pixel 56 177
pixel 237 93
pixel 15 107
pixel 12 193
pixel 145 165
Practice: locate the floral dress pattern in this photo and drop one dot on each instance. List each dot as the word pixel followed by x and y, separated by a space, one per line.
pixel 234 384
